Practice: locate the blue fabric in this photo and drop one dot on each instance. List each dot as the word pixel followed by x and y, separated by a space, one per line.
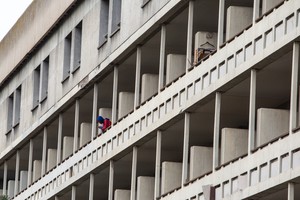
pixel 100 119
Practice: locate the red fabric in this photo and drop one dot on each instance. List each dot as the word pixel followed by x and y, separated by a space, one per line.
pixel 106 124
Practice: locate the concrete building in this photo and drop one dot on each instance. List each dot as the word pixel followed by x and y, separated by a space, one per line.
pixel 203 96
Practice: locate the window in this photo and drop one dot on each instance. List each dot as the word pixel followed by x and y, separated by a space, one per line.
pixel 14 109
pixel 36 87
pixel 76 47
pixel 104 8
pixel 40 83
pixel 116 16
pixel 67 57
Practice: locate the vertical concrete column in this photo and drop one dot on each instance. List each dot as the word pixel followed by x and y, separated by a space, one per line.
pixel 216 149
pixel 137 77
pixel 5 178
pixel 186 139
pixel 95 110
pixel 291 191
pixel 221 23
pixel 157 164
pixel 189 45
pixel 59 138
pixel 133 173
pixel 115 95
pixel 16 190
pixel 294 87
pixel 73 192
pixel 76 125
pixel 162 56
pixel 92 186
pixel 252 110
pixel 30 156
pixel 256 10
pixel 111 180
pixel 44 153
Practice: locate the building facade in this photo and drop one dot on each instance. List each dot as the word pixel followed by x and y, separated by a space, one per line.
pixel 203 96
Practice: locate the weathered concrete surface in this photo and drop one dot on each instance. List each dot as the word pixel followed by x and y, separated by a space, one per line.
pixel 145 187
pixel 122 194
pixel 23 180
pixel 149 86
pixel 201 159
pixel 52 158
pixel 37 170
pixel 269 4
pixel 175 66
pixel 170 176
pixel 126 101
pixel 85 133
pixel 68 143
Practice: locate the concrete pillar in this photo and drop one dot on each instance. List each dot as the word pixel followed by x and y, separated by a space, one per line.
pixel 256 10
pixel 294 87
pixel 23 180
pixel 30 157
pixel 269 4
pixel 137 77
pixel 145 188
pixel 171 176
pixel 95 107
pixel 11 189
pixel 271 123
pixel 37 170
pixel 185 160
pixel 291 191
pixel 149 86
pixel 221 22
pixel 5 178
pixel 85 133
pixel 234 143
pixel 122 194
pixel 157 164
pixel 44 153
pixel 68 143
pixel 216 147
pixel 126 101
pixel 175 66
pixel 111 180
pixel 59 138
pixel 115 95
pixel 76 127
pixel 162 54
pixel 252 110
pixel 52 158
pixel 206 40
pixel 238 18
pixel 73 196
pixel 200 161
pixel 17 171
pixel 133 173
pixel 189 46
pixel 92 186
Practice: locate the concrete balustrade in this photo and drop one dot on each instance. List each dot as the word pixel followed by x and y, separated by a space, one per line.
pixel 10 188
pixel 68 143
pixel 269 4
pixel 149 86
pixel 171 173
pixel 271 123
pixel 85 133
pixel 52 158
pixel 23 180
pixel 201 159
pixel 205 43
pixel 238 18
pixel 122 194
pixel 175 66
pixel 234 143
pixel 126 102
pixel 37 170
pixel 145 187
pixel 105 112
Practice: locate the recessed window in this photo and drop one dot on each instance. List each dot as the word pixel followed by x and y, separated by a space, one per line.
pixel 14 109
pixel 77 32
pixel 67 57
pixel 258 45
pixel 116 16
pixel 36 86
pixel 290 23
pixel 104 13
pixel 268 38
pixel 279 31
